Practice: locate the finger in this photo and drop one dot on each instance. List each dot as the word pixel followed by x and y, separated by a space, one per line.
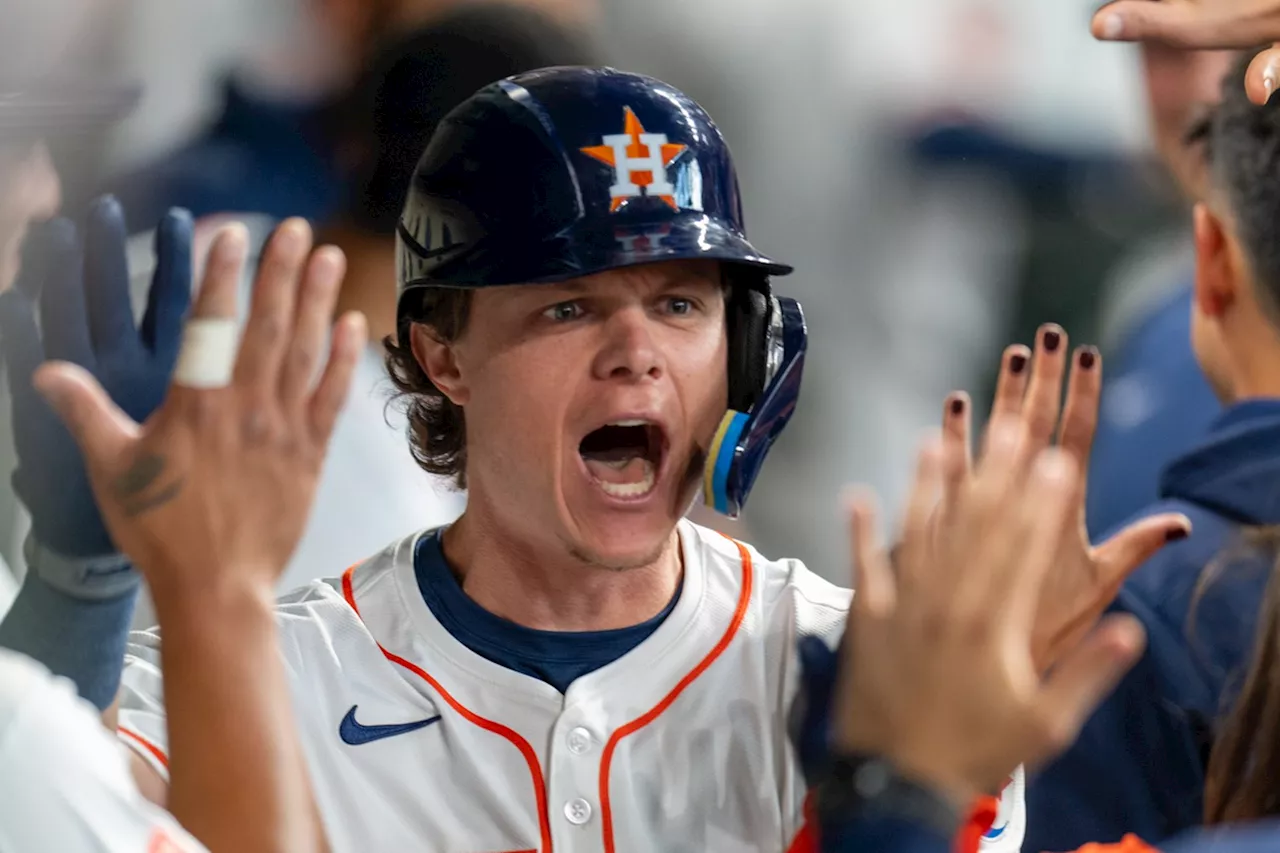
pixel 19 339
pixel 207 353
pixel 350 336
pixel 1084 678
pixel 913 548
pixel 20 344
pixel 219 291
pixel 318 295
pixel 170 295
pixel 957 456
pixel 98 425
pixel 1080 416
pixel 271 314
pixel 872 576
pixel 1138 20
pixel 64 316
pixel 36 260
pixel 1044 392
pixel 1202 25
pixel 106 281
pixel 1121 554
pixel 1011 386
pixel 990 521
pixel 1263 77
pixel 1048 509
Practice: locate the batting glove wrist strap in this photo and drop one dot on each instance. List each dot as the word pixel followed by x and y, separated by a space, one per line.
pixel 85 578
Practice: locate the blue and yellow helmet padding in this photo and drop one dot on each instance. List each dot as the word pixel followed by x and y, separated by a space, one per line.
pixel 743 440
pixel 719 459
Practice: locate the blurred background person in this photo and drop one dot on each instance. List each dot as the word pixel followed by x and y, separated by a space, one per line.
pixel 270 147
pixel 1157 403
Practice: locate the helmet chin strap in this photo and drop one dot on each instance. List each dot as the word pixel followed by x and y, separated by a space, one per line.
pixel 743 439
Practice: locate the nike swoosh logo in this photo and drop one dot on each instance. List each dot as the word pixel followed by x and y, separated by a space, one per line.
pixel 355 734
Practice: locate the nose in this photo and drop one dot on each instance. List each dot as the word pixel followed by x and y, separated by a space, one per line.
pixel 630 351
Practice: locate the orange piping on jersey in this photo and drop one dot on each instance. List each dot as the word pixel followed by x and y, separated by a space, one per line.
pixel 162 842
pixel 530 757
pixel 744 598
pixel 145 744
pixel 981 817
pixel 806 840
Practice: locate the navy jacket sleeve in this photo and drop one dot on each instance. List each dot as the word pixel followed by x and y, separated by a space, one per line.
pixel 882 836
pixel 1136 768
pixel 1257 838
pixel 1138 765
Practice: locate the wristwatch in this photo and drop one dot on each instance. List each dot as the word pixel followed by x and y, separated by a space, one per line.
pixel 861 787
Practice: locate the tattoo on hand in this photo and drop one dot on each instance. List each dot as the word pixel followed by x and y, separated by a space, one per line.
pixel 134 488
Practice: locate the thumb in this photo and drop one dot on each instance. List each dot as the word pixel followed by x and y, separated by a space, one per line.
pixel 1263 77
pixel 1137 543
pixel 96 423
pixel 1084 678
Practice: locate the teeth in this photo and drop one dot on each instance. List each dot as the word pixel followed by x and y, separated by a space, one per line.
pixel 630 490
pixel 630 423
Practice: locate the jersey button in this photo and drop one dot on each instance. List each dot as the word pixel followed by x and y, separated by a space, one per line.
pixel 577 811
pixel 579 740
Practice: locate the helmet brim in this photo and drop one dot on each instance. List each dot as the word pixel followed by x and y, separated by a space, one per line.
pixel 587 248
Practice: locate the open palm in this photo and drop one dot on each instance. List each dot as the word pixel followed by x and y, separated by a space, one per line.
pixel 1085 578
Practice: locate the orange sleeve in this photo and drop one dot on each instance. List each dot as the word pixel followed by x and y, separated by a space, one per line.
pixel 983 814
pixel 1128 844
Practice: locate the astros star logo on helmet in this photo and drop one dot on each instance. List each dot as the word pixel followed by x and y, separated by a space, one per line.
pixel 639 160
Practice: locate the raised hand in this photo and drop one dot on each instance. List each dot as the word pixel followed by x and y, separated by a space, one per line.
pixel 937 673
pixel 1203 24
pixel 81 289
pixel 221 477
pixel 1084 579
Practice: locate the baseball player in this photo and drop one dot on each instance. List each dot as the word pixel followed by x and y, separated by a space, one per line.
pixel 571 666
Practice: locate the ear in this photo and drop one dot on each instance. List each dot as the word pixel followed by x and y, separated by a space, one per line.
pixel 440 362
pixel 1216 284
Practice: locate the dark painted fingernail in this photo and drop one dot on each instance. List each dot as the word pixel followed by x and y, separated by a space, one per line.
pixel 957 406
pixel 1177 534
pixel 1017 363
pixel 1088 358
pixel 1051 341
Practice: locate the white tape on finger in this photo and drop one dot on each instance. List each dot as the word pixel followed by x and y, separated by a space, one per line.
pixel 208 355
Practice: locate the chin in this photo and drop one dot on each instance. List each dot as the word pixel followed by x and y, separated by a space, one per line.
pixel 622 543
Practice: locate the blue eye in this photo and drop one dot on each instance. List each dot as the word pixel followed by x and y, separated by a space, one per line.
pixel 562 312
pixel 678 305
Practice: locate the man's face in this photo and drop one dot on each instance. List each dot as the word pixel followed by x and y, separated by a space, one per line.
pixel 1181 86
pixel 589 405
pixel 29 192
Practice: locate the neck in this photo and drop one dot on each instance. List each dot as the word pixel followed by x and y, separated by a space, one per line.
pixel 552 590
pixel 370 283
pixel 1259 385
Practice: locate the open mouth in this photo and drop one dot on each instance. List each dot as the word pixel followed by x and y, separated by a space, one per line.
pixel 624 458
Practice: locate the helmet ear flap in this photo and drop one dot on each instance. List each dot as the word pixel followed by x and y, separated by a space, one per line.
pixel 747 326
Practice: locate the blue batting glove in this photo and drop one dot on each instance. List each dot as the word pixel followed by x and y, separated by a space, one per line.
pixel 86 317
pixel 811 724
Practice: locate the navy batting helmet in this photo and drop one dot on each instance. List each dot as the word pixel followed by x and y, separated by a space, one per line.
pixel 564 172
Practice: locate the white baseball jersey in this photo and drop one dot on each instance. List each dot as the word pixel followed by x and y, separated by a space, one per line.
pixel 65 784
pixel 415 742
